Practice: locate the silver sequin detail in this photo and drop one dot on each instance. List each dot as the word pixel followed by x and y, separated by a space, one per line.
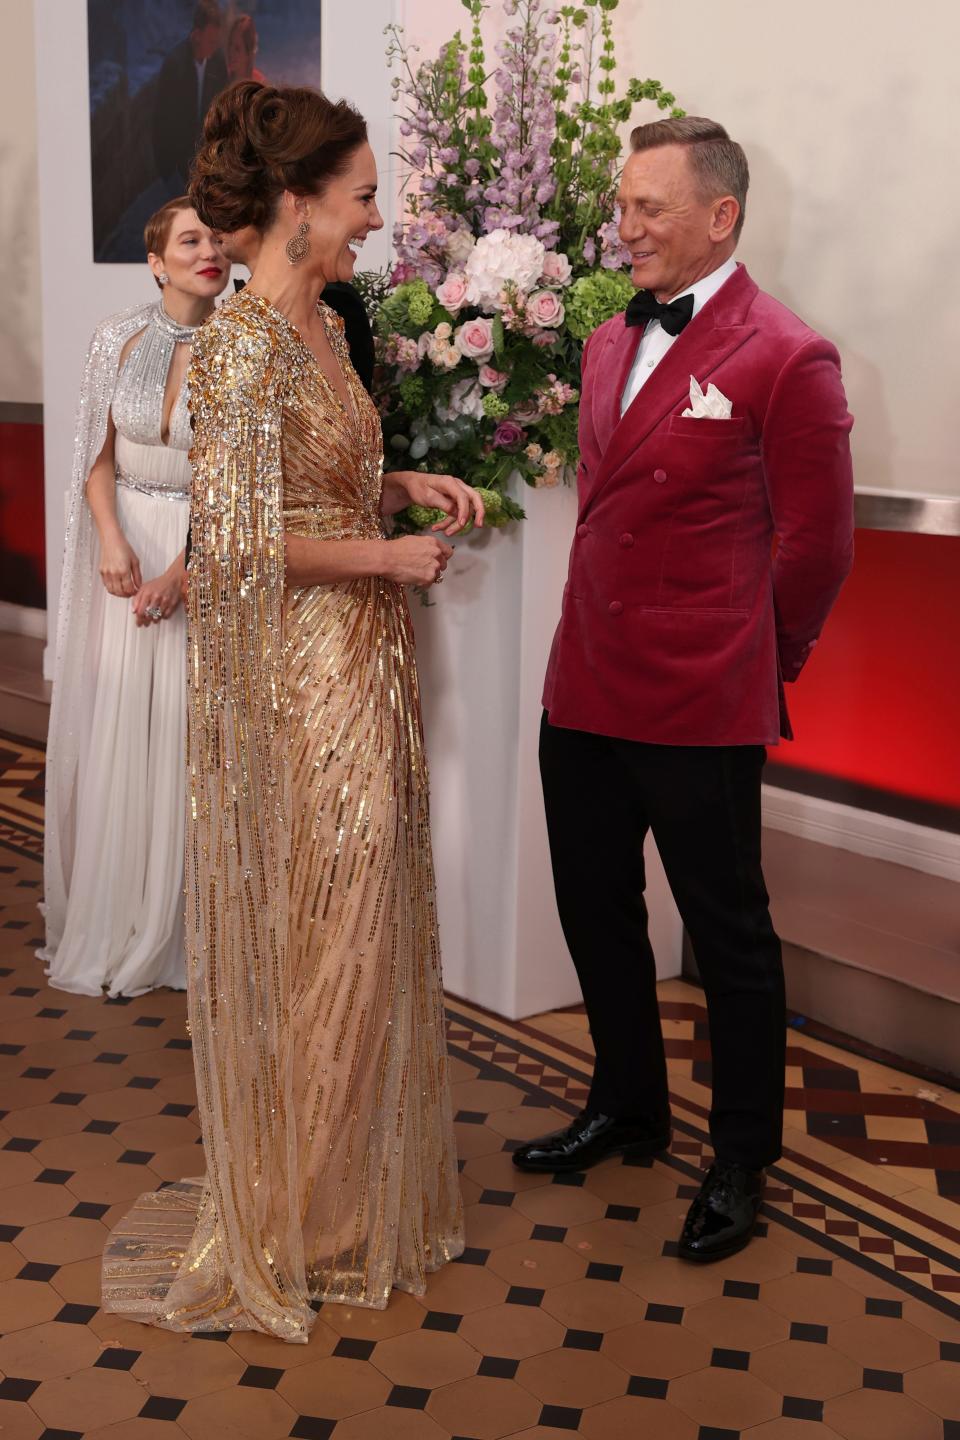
pixel 147 487
pixel 138 398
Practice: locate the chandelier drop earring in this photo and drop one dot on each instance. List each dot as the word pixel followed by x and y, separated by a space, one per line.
pixel 298 246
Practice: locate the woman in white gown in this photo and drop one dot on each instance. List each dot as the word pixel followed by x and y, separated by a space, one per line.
pixel 113 868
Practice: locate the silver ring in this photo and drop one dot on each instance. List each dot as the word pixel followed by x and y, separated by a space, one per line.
pixel 153 612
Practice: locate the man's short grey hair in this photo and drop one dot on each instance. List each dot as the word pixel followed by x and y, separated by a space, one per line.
pixel 718 163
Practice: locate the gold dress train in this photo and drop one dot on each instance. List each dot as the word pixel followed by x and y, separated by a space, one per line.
pixel 315 998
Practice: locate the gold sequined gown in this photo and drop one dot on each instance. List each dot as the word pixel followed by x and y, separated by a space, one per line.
pixel 315 996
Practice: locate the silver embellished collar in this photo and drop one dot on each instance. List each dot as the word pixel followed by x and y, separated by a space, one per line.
pixel 179 334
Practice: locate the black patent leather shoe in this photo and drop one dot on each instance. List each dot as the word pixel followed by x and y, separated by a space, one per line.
pixel 722 1218
pixel 587 1140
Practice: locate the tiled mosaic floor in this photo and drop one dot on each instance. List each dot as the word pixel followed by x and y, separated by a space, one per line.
pixel 569 1313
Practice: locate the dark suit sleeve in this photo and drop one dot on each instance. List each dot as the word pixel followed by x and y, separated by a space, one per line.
pixel 359 336
pixel 165 150
pixel 215 79
pixel 809 478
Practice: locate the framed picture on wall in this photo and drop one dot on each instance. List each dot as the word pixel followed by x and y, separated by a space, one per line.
pixel 155 66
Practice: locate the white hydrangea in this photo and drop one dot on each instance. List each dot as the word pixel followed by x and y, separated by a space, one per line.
pixel 499 258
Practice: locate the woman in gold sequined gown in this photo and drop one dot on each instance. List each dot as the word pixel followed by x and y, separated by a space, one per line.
pixel 315 996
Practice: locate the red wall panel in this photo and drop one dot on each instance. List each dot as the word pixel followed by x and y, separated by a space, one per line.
pixel 22 552
pixel 878 703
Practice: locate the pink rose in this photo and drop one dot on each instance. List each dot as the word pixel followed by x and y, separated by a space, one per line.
pixel 492 379
pixel 452 294
pixel 545 309
pixel 475 339
pixel 556 269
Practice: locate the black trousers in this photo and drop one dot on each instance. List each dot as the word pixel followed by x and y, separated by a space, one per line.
pixel 703 805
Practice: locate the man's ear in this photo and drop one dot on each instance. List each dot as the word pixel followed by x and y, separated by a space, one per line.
pixel 726 213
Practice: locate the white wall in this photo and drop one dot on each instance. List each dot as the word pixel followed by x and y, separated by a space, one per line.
pixel 20 355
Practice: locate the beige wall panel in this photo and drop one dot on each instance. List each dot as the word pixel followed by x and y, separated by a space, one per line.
pixel 20 350
pixel 848 112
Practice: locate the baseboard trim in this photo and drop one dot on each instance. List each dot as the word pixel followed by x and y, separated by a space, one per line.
pixel 23 620
pixel 935 852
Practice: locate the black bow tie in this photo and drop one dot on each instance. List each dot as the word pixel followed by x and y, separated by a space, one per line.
pixel 673 317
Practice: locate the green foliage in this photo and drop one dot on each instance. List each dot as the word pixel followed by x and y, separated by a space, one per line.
pixel 396 312
pixel 373 287
pixel 413 395
pixel 560 432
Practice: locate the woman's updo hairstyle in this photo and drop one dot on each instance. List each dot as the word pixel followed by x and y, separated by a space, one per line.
pixel 259 141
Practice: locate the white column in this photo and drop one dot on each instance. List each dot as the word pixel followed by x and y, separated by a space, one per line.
pixel 482 650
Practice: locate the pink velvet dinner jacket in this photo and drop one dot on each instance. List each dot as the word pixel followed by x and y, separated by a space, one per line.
pixel 707 553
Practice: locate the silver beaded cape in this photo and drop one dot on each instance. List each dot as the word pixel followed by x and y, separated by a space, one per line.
pixel 73 685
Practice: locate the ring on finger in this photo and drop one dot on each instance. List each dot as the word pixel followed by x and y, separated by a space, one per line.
pixel 153 612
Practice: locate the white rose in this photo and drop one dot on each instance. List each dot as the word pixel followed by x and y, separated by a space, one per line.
pixel 466 398
pixel 459 247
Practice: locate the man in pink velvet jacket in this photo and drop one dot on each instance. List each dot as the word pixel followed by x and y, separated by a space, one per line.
pixel 714 534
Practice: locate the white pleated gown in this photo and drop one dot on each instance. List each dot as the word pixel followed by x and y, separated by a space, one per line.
pixel 123 930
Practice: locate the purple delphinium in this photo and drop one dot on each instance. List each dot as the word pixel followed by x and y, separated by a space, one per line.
pixel 524 128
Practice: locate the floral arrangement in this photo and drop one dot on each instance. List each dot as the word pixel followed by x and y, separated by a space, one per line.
pixel 508 255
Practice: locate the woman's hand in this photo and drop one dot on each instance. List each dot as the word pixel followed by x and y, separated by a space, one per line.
pixel 119 566
pixel 443 492
pixel 416 560
pixel 163 594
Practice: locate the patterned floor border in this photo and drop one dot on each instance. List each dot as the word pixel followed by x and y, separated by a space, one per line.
pixel 915 1263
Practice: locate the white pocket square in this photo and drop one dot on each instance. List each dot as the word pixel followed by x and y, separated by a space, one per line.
pixel 713 405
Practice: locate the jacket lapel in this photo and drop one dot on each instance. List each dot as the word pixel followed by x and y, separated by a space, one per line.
pixel 720 328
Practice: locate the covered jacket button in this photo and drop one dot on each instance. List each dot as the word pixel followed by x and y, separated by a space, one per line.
pixel 659 476
pixel 626 540
pixel 582 530
pixel 615 607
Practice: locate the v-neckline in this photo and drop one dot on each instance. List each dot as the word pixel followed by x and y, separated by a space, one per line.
pixel 349 410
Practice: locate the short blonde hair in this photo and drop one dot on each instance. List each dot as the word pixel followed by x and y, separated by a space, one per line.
pixel 156 232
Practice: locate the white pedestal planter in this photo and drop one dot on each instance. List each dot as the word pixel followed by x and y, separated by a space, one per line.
pixel 482 649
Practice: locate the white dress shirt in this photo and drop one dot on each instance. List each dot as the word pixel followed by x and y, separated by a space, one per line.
pixel 656 342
